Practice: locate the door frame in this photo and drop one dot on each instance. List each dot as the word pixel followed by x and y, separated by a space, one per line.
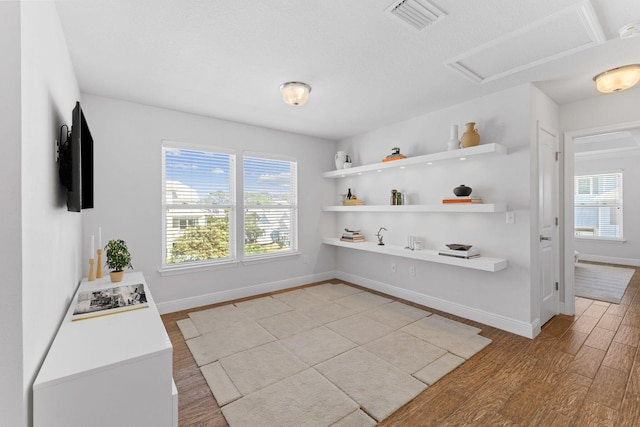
pixel 568 306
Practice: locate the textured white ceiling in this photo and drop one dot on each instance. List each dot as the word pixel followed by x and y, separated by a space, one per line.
pixel 227 59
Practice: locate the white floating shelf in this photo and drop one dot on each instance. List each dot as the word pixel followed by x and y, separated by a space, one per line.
pixel 467 208
pixel 419 160
pixel 480 263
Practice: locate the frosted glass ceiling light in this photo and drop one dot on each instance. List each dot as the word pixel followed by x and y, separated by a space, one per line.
pixel 618 79
pixel 295 93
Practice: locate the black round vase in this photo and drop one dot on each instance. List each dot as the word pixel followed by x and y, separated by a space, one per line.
pixel 462 191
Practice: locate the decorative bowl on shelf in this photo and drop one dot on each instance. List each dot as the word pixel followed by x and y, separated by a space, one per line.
pixel 458 247
pixel 462 191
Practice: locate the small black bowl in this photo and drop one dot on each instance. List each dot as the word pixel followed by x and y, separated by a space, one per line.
pixel 462 191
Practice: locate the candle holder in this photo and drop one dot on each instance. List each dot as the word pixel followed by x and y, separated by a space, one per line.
pixel 99 267
pixel 92 272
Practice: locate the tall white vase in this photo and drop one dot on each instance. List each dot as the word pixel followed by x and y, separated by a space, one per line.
pixel 341 157
pixel 453 143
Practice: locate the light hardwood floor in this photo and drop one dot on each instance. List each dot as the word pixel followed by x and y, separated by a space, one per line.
pixel 582 370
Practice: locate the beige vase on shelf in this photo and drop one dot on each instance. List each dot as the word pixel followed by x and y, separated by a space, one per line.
pixel 471 137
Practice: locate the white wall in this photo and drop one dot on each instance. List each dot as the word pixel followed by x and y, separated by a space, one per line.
pixel 596 115
pixel 12 404
pixel 503 298
pixel 603 110
pixel 128 196
pixel 43 95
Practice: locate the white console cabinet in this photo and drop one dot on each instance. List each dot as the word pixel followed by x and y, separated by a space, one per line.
pixel 113 370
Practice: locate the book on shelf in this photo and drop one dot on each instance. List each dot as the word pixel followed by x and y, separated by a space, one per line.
pixel 393 157
pixel 457 253
pixel 463 200
pixel 352 236
pixel 109 301
pixel 352 239
pixel 351 233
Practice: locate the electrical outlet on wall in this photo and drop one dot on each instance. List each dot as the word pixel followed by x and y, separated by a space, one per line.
pixel 394 267
pixel 511 217
pixel 412 270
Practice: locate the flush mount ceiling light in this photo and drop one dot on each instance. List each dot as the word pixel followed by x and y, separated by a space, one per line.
pixel 295 93
pixel 618 79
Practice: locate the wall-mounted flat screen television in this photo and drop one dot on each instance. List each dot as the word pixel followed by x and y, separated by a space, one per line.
pixel 76 163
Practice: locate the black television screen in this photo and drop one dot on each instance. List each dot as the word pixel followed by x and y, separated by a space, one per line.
pixel 76 163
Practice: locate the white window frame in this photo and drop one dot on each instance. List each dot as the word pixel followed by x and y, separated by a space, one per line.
pixel 292 207
pixel 619 205
pixel 232 257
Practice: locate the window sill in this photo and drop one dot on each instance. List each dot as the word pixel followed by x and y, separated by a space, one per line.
pixel 600 239
pixel 259 259
pixel 193 268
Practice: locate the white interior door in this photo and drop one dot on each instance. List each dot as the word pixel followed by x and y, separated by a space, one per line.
pixel 547 222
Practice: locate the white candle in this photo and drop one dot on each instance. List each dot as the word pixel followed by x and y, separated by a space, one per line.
pixel 99 237
pixel 93 245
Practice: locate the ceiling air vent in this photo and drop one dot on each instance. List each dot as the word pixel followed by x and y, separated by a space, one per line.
pixel 417 13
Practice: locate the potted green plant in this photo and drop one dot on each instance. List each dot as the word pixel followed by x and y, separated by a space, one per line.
pixel 118 258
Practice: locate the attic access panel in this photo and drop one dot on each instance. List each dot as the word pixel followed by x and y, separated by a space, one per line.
pixel 561 34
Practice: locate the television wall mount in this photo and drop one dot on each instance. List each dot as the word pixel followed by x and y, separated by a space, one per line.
pixel 63 141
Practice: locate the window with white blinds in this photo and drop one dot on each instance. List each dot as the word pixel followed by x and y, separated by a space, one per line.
pixel 198 204
pixel 270 206
pixel 598 205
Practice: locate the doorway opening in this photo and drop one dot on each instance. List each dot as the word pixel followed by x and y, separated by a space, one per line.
pixel 597 163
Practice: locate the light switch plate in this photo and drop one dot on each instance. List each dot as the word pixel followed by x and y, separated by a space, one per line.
pixel 511 217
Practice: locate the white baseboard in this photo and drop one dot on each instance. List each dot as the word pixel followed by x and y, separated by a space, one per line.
pixel 518 327
pixel 610 260
pixel 527 330
pixel 248 291
pixel 567 309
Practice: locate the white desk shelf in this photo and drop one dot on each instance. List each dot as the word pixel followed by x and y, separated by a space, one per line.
pixel 110 370
pixel 480 263
pixel 419 160
pixel 462 208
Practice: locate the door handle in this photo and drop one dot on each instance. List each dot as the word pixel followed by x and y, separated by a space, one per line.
pixel 544 238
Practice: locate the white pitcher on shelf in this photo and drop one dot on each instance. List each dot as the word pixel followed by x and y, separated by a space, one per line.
pixel 341 158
